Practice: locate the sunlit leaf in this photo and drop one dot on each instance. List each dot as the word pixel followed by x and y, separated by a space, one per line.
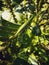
pixel 32 59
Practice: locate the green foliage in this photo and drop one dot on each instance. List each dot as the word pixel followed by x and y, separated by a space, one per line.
pixel 24 32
